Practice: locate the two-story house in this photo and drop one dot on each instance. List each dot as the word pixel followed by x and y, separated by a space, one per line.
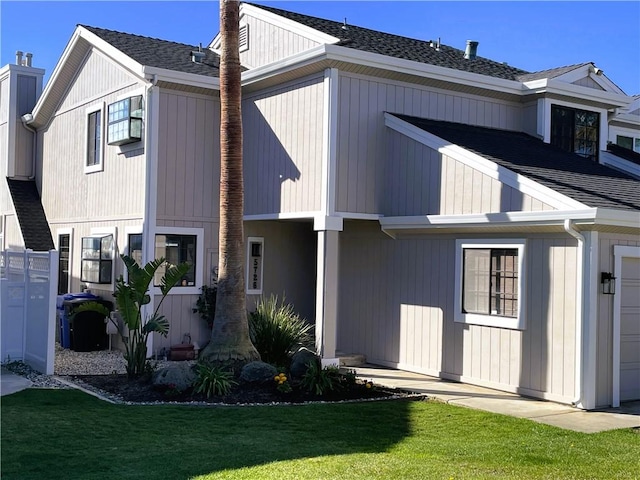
pixel 431 209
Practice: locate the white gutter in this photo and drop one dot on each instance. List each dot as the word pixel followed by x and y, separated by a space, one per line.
pixel 173 76
pixel 568 226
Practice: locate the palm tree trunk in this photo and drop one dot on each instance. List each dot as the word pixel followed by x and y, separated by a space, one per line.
pixel 230 334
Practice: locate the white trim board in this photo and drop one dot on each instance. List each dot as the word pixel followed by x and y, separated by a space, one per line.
pixel 487 167
pixel 619 252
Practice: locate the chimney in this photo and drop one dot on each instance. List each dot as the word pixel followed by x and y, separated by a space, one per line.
pixel 18 57
pixel 29 57
pixel 472 50
pixel 198 57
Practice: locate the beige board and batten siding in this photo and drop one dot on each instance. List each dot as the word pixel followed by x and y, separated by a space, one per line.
pixel 188 172
pixel 283 148
pixel 422 181
pixel 117 192
pixel 289 269
pixel 396 307
pixel 12 233
pixel 604 347
pixel 362 136
pixel 269 43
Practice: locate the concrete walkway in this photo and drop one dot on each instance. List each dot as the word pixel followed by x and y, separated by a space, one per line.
pixel 12 383
pixel 550 413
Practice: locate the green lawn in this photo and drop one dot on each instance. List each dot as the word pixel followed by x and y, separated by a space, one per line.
pixel 64 434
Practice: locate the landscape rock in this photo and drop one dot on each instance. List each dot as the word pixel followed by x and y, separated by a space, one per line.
pixel 255 372
pixel 179 374
pixel 300 361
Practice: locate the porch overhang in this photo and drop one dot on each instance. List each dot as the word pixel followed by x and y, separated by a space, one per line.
pixel 600 219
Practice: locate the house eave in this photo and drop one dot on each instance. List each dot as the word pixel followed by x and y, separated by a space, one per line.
pixel 554 87
pixel 173 76
pixel 516 222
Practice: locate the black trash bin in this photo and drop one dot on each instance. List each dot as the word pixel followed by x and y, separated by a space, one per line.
pixel 87 330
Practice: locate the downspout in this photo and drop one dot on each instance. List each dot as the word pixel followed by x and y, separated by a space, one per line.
pixel 33 144
pixel 148 226
pixel 569 228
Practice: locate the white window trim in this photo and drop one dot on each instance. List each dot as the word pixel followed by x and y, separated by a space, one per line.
pixel 66 231
pixel 98 167
pixel 517 323
pixel 200 260
pixel 258 291
pixel 114 257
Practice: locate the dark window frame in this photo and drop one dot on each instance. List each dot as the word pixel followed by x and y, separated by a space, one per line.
pixel 576 131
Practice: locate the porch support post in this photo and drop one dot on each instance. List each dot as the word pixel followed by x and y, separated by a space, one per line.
pixel 328 229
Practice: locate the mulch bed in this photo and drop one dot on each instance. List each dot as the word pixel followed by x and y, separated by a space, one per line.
pixel 143 391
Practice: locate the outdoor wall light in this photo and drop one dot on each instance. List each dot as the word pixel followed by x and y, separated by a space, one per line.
pixel 608 282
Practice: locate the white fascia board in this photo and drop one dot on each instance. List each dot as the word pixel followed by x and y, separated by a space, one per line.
pixel 502 174
pixel 500 219
pixel 613 161
pixel 588 216
pixel 75 38
pixel 627 118
pixel 282 216
pixel 292 62
pixel 18 69
pixel 618 218
pixel 401 65
pixel 547 85
pixel 173 76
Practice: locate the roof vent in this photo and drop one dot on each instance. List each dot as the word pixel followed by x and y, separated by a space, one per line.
pixel 198 57
pixel 472 50
pixel 435 44
pixel 19 57
pixel 344 25
pixel 28 60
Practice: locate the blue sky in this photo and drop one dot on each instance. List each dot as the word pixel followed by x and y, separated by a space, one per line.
pixel 529 35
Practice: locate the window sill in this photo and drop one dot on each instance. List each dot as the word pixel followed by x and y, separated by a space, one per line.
pixel 490 321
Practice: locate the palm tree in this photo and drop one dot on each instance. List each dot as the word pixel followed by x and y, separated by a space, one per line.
pixel 230 334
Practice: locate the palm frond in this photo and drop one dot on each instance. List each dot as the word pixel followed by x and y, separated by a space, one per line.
pixel 158 324
pixel 172 276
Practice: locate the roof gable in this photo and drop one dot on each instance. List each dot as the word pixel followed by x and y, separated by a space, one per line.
pixel 583 181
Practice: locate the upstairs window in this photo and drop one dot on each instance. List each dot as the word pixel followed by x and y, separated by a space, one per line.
pixel 125 121
pixel 575 131
pixel 93 151
pixel 629 143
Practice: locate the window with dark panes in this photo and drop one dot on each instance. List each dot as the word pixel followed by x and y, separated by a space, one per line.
pixel 94 140
pixel 135 247
pixel 176 249
pixel 490 281
pixel 575 131
pixel 64 248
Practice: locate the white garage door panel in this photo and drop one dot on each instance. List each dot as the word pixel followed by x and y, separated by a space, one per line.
pixel 630 330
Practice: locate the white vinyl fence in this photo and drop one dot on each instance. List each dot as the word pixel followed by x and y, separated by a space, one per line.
pixel 28 287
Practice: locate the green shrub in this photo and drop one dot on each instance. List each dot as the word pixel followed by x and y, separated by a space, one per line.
pixel 277 331
pixel 213 380
pixel 206 304
pixel 320 381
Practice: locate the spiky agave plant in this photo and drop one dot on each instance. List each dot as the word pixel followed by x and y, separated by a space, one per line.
pixel 131 297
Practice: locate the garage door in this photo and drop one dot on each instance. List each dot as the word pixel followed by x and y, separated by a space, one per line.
pixel 630 329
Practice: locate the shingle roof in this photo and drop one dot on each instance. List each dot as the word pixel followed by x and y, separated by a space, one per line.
pixel 154 52
pixel 373 41
pixel 585 181
pixel 551 73
pixel 31 217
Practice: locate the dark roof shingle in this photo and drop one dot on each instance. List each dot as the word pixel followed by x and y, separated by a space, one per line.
pixel 373 41
pixel 154 52
pixel 585 181
pixel 31 217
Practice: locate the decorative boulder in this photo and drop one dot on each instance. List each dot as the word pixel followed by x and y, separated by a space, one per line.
pixel 257 372
pixel 179 374
pixel 300 361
